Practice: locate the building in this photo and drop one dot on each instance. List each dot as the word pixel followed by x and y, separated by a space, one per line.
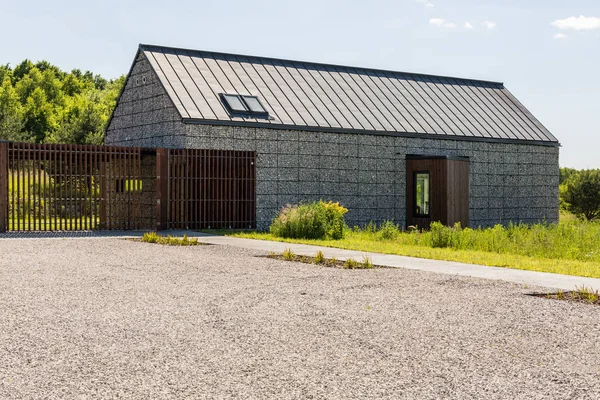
pixel 388 145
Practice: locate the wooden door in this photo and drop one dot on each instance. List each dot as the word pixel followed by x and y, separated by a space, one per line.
pixel 437 189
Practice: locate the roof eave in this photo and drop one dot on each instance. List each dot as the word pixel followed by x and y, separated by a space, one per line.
pixel 303 128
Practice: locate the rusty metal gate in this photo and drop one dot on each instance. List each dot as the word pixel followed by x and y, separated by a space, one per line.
pixel 57 187
pixel 211 189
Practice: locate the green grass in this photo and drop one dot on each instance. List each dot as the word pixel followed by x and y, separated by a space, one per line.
pixel 569 248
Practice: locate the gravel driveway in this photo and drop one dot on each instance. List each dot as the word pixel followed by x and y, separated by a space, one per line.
pixel 110 318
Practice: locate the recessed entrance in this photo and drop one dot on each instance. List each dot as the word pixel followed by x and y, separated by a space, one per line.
pixel 437 190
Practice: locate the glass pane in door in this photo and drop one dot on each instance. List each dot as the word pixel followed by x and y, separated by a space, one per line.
pixel 422 194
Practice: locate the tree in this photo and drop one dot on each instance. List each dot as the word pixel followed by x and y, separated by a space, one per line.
pixel 5 71
pixel 39 117
pixel 83 120
pixel 23 69
pixel 11 112
pixel 566 173
pixel 581 194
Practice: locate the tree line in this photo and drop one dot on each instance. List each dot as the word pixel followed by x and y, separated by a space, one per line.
pixel 40 103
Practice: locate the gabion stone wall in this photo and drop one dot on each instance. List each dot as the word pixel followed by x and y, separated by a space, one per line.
pixel 366 173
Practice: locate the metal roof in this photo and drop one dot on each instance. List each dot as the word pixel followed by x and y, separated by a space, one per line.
pixel 322 97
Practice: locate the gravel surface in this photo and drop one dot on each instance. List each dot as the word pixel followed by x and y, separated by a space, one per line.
pixel 111 318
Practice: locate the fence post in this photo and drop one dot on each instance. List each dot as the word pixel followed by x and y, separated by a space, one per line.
pixel 3 186
pixel 162 189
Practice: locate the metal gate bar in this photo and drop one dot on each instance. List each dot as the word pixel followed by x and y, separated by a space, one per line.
pixel 212 189
pixel 54 187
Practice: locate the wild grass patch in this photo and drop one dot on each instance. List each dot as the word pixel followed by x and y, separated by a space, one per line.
pixel 580 294
pixel 320 259
pixel 153 237
pixel 314 220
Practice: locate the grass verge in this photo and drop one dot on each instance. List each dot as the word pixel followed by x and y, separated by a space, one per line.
pixel 360 243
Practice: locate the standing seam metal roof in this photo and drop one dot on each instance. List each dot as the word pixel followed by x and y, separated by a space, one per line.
pixel 324 97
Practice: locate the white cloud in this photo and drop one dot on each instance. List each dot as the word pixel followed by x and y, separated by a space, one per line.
pixel 581 23
pixel 442 23
pixel 426 3
pixel 560 36
pixel 468 25
pixel 489 24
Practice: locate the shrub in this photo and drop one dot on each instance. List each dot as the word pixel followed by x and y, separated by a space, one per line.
pixel 351 263
pixel 582 194
pixel 316 220
pixel 388 231
pixel 440 235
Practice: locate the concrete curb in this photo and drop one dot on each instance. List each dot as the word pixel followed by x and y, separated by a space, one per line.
pixel 532 278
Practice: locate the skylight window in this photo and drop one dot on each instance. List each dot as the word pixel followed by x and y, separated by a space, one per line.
pixel 254 104
pixel 235 103
pixel 244 104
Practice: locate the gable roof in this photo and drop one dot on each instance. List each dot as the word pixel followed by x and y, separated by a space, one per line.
pixel 322 97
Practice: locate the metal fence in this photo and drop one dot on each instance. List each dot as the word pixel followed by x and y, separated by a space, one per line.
pixel 212 189
pixel 63 187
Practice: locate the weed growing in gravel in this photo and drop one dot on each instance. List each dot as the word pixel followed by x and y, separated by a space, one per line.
pixel 288 255
pixel 366 263
pixel 319 258
pixel 560 295
pixel 153 237
pixel 586 294
pixel 580 294
pixel 150 237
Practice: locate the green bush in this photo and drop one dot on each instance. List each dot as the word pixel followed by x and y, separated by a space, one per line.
pixel 388 231
pixel 441 235
pixel 316 220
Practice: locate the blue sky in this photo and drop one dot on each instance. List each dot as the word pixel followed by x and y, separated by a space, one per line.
pixel 545 52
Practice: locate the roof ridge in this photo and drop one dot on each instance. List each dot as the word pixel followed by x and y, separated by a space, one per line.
pixel 144 46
